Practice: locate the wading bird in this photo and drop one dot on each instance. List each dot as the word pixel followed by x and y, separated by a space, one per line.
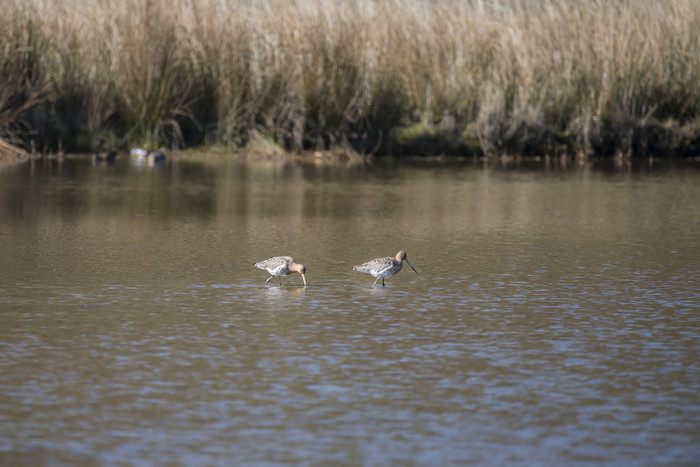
pixel 281 266
pixel 384 267
pixel 152 158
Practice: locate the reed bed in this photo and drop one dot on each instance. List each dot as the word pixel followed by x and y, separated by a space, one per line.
pixel 520 76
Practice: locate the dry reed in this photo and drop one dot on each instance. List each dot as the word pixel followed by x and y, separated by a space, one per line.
pixel 593 76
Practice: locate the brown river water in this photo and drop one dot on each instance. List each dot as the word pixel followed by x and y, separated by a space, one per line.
pixel 554 319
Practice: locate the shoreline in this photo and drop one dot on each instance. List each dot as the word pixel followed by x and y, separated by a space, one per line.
pixel 650 141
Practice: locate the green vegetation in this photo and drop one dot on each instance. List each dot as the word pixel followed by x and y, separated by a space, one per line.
pixel 454 76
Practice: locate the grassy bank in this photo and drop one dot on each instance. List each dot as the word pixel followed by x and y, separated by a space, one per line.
pixel 554 76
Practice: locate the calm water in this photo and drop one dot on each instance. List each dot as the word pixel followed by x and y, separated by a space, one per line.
pixel 555 318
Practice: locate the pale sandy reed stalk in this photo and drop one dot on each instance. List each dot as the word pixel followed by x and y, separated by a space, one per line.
pixel 315 73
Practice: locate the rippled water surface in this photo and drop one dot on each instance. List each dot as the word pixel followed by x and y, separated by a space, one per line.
pixel 555 318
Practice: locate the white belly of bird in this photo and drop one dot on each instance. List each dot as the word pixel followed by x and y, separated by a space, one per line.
pixel 388 271
pixel 280 270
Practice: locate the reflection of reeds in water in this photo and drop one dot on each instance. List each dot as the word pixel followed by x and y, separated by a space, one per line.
pixel 319 73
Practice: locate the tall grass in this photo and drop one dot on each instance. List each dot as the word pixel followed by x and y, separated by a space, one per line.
pixel 516 75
